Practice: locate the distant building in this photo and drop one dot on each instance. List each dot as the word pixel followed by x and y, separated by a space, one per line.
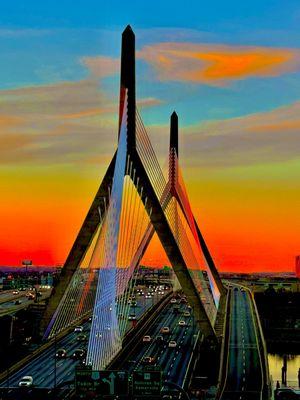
pixel 298 267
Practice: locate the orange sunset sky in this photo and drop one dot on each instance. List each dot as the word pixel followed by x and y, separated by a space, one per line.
pixel 236 90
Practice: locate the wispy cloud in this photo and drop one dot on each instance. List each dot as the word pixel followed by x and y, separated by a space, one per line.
pixel 19 33
pixel 259 138
pixel 101 66
pixel 65 122
pixel 215 64
pixel 252 139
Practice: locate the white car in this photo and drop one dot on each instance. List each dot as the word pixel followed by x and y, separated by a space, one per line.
pixel 173 301
pixel 147 339
pixel 15 292
pixel 132 317
pixel 78 329
pixel 186 314
pixel 182 323
pixel 26 381
pixel 172 343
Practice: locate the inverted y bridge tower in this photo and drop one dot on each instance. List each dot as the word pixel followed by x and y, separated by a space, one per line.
pixel 133 202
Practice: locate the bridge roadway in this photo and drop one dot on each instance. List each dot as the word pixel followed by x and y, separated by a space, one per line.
pixel 7 301
pixel 244 379
pixel 173 361
pixel 42 368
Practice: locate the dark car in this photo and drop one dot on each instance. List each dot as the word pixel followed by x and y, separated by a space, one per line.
pixel 81 338
pixel 148 360
pixel 78 354
pixel 176 309
pixel 160 339
pixel 61 353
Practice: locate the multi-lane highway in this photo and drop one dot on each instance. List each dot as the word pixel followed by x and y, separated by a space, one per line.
pixel 10 302
pixel 244 372
pixel 172 360
pixel 48 372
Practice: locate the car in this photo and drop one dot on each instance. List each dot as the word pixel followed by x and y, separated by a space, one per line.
pixel 81 338
pixel 165 330
pixel 132 317
pixel 78 354
pixel 27 341
pixel 18 302
pixel 30 296
pixel 15 292
pixel 148 360
pixel 133 303
pixel 78 329
pixel 172 344
pixel 61 353
pixel 189 307
pixel 173 301
pixel 160 339
pixel 186 314
pixel 182 323
pixel 147 339
pixel 26 381
pixel 176 309
pixel 148 296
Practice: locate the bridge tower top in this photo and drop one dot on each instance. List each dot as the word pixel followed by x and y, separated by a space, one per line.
pixel 127 84
pixel 174 132
pixel 173 153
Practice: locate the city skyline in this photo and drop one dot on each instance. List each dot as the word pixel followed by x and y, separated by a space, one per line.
pixel 237 99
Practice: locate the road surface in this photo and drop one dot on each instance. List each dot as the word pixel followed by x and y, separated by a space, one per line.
pixel 244 366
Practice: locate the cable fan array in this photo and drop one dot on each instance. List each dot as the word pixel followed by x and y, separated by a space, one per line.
pixel 105 280
pixel 180 219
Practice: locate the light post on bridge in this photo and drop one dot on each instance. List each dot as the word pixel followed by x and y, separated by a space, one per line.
pixel 55 362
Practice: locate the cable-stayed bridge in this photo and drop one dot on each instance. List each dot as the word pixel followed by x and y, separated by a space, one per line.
pixel 135 201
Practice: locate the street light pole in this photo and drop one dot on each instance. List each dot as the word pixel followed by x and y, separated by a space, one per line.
pixel 55 363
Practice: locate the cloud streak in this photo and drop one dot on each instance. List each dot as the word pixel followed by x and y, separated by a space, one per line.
pixel 252 139
pixel 65 122
pixel 217 65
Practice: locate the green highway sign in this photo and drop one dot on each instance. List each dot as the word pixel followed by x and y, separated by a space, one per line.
pixel 146 383
pixel 100 383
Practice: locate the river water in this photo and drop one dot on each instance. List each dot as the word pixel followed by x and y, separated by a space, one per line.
pixel 293 365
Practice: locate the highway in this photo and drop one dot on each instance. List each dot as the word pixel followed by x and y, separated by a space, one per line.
pixel 7 301
pixel 43 367
pixel 244 367
pixel 173 361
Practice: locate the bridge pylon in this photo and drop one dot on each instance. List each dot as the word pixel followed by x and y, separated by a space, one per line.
pixel 162 199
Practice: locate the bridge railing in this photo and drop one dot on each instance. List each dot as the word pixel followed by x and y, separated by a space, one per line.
pixel 193 360
pixel 224 347
pixel 263 348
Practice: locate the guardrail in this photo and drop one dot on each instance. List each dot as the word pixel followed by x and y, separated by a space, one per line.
pixel 225 347
pixel 193 360
pixel 268 388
